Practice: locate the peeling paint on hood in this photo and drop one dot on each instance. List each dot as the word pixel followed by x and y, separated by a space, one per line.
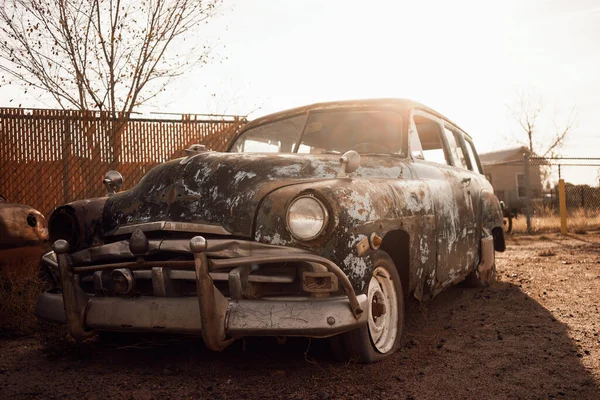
pixel 213 188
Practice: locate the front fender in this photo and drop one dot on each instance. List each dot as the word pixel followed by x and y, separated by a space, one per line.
pixel 78 222
pixel 338 241
pixel 357 209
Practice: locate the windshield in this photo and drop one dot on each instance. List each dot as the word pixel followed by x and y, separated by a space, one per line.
pixel 326 132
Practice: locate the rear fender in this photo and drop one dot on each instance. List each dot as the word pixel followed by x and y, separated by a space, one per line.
pixel 491 218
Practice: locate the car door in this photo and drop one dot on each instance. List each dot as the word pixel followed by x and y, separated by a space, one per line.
pixel 454 214
pixel 471 185
pixel 480 181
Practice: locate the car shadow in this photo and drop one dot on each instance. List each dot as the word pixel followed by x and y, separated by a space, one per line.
pixel 487 343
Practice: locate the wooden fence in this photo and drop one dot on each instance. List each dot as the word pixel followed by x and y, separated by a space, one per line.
pixel 50 157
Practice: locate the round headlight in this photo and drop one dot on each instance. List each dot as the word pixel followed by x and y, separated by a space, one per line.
pixel 306 218
pixel 123 281
pixel 63 224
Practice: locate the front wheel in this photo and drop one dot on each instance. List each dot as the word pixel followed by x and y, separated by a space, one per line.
pixel 384 331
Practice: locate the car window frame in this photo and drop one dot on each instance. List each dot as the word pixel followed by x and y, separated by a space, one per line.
pixel 402 152
pixel 442 136
pixel 462 142
pixel 469 142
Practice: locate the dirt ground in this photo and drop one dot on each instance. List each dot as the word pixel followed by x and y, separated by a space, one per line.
pixel 534 334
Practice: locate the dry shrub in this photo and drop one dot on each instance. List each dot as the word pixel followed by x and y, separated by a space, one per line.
pixel 547 219
pixel 547 253
pixel 20 286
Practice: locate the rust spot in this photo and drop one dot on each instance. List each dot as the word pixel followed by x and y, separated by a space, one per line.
pixel 378 309
pixel 376 241
pixel 172 195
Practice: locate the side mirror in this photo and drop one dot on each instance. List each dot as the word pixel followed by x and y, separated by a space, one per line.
pixel 349 162
pixel 113 181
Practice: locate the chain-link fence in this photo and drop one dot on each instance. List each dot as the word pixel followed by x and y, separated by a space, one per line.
pixel 539 184
pixel 577 179
pixel 50 157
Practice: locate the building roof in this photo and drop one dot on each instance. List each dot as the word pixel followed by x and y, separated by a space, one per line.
pixel 504 156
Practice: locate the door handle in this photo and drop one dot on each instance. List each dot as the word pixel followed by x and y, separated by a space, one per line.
pixel 466 180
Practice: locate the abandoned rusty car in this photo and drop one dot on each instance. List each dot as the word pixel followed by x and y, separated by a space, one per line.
pixel 318 222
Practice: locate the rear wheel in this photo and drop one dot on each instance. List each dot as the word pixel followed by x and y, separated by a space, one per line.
pixel 384 331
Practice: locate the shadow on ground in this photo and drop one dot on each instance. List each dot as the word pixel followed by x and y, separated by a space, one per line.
pixel 466 343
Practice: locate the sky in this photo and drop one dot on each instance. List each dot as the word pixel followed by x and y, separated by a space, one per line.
pixel 468 59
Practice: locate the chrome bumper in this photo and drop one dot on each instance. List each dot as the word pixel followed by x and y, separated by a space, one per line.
pixel 218 319
pixel 297 317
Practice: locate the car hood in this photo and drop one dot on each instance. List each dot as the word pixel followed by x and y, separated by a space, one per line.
pixel 223 189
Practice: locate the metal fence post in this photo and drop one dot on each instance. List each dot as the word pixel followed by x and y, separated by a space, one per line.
pixel 562 199
pixel 527 191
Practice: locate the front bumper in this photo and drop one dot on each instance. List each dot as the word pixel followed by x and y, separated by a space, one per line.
pixel 289 317
pixel 217 318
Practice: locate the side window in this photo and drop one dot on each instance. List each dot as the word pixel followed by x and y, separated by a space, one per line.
pixel 429 138
pixel 454 143
pixel 473 157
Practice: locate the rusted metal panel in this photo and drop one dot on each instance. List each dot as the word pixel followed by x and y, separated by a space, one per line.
pixel 213 188
pixel 360 207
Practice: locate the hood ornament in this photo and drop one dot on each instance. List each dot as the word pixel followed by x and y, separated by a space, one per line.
pixel 192 151
pixel 349 162
pixel 113 181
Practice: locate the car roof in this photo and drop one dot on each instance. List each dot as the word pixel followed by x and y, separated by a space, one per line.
pixel 382 102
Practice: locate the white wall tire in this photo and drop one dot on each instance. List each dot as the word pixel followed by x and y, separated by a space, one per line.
pixel 384 331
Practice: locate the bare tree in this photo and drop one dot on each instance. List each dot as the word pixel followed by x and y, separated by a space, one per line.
pixel 105 55
pixel 539 139
pixel 540 130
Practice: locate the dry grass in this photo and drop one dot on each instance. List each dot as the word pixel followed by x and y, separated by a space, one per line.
pixel 20 287
pixel 579 221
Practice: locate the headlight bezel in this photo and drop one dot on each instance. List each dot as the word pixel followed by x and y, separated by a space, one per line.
pixel 64 224
pixel 323 207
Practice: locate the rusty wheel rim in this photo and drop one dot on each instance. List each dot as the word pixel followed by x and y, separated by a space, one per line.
pixel 383 310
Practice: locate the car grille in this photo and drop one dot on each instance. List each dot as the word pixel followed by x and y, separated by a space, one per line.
pixel 262 280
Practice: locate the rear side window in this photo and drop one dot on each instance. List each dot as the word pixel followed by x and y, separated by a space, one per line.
pixel 425 140
pixel 455 147
pixel 473 157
